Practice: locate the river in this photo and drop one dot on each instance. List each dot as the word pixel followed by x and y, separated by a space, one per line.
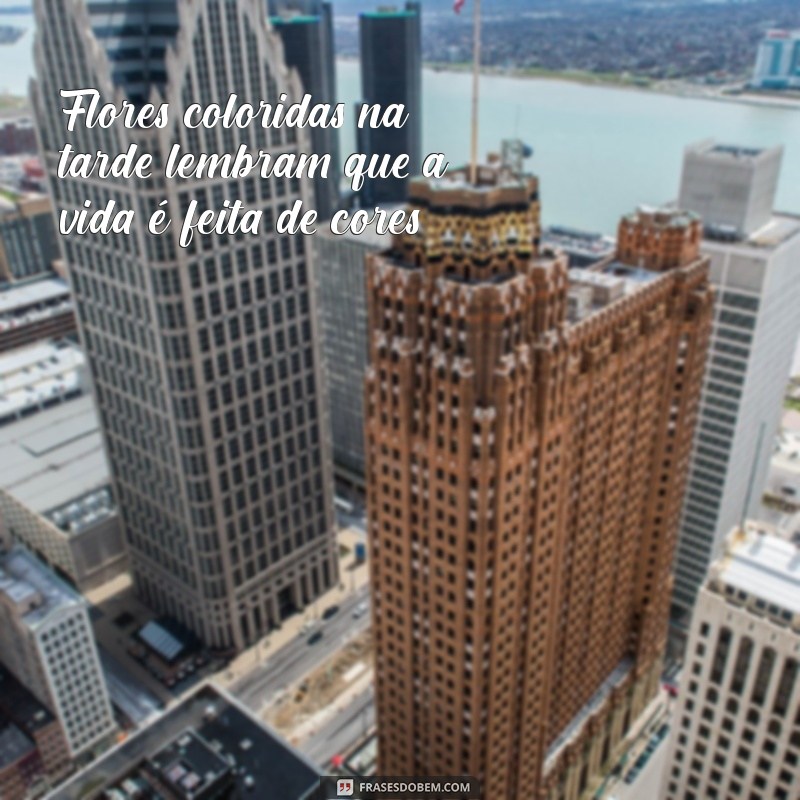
pixel 599 152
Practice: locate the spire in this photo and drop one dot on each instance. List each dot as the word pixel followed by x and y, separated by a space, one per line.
pixel 476 73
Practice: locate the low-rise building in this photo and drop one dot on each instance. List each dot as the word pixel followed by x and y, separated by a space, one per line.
pixel 208 745
pixel 28 239
pixel 34 311
pixel 55 494
pixel 737 726
pixel 17 134
pixel 783 481
pixel 46 641
pixel 33 748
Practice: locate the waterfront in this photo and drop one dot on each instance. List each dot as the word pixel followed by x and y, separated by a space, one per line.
pixel 599 151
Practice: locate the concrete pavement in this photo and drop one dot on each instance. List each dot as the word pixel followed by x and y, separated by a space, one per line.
pixel 342 731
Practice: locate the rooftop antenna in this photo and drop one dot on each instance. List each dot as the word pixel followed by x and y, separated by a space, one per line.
pixel 476 83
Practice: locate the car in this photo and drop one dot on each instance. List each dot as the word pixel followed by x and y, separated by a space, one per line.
pixel 360 610
pixel 330 611
pixel 315 637
pixel 671 689
pixel 631 776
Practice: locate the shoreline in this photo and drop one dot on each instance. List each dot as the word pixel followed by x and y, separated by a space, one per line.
pixel 11 103
pixel 681 89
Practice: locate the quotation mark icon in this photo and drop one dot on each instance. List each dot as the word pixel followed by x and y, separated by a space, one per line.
pixel 345 787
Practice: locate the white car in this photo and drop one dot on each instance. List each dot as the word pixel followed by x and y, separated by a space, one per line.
pixel 360 610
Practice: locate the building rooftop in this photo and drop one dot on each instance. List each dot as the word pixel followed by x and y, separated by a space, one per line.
pixel 591 289
pixel 762 567
pixel 787 453
pixel 730 152
pixel 14 744
pixel 388 11
pixel 293 19
pixel 37 376
pixel 35 591
pixel 55 464
pixel 206 741
pixel 582 247
pixel 735 151
pixel 497 185
pixel 778 230
pixel 190 767
pixel 19 296
pixel 27 303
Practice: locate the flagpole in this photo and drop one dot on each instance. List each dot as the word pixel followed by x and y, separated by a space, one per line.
pixel 476 73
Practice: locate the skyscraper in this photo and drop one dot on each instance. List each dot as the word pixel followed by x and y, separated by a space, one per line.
pixel 306 30
pixel 204 359
pixel 754 252
pixel 525 470
pixel 343 323
pixel 391 72
pixel 737 731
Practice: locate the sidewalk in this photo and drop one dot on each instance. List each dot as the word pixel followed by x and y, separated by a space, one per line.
pixel 308 726
pixel 352 578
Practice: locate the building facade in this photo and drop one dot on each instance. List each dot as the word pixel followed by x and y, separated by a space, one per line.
pixel 28 238
pixel 55 492
pixel 391 73
pixel 17 134
pixel 342 282
pixel 754 252
pixel 306 30
pixel 524 470
pixel 737 725
pixel 33 748
pixel 731 187
pixel 204 359
pixel 46 640
pixel 778 61
pixel 34 311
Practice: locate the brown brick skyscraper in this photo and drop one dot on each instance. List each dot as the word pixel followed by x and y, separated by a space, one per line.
pixel 528 428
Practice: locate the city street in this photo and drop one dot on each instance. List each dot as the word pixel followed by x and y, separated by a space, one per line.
pixel 296 659
pixel 342 731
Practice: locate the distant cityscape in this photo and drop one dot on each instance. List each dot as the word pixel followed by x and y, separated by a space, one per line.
pixel 645 41
pixel 492 499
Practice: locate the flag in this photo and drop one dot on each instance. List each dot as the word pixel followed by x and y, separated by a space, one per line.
pixel 458 5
